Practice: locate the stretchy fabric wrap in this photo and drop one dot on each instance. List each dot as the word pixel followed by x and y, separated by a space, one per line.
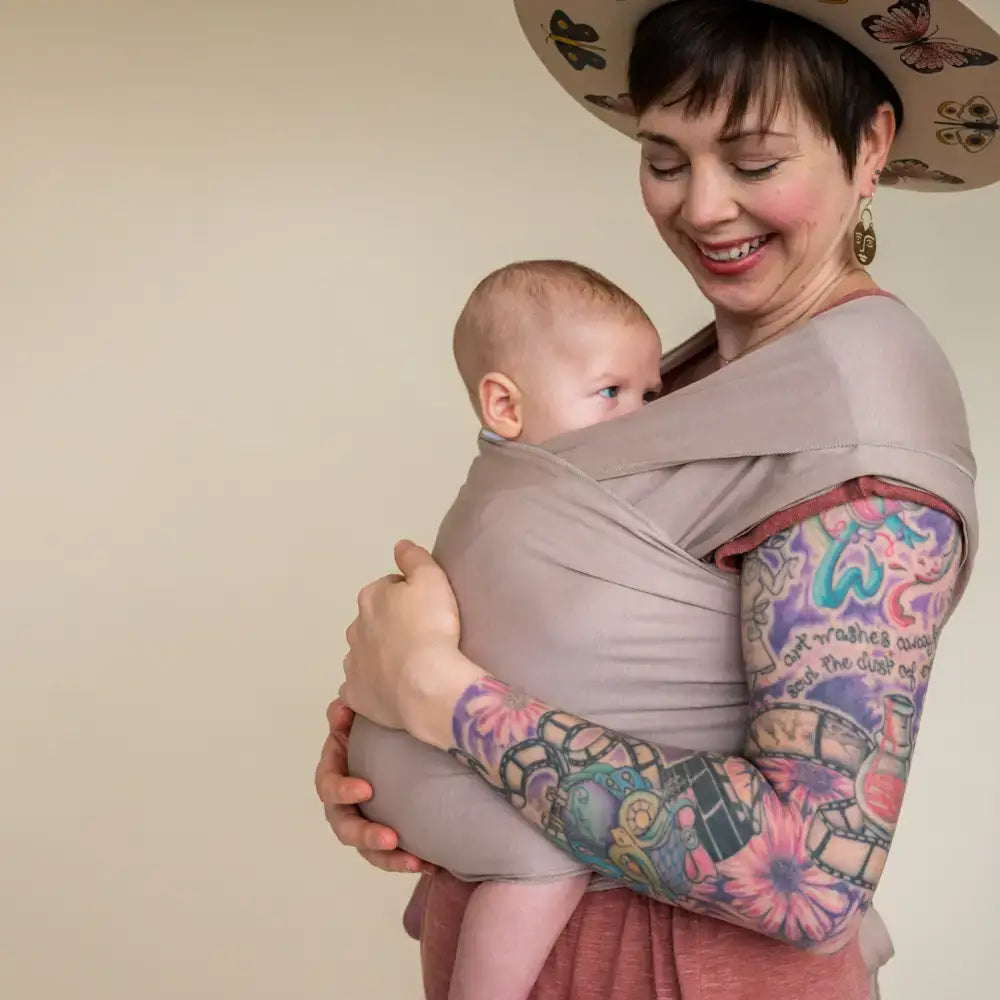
pixel 584 568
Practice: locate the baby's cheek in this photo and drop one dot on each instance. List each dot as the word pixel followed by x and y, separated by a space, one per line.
pixel 563 416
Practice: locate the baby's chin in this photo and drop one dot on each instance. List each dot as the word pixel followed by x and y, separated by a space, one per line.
pixel 559 429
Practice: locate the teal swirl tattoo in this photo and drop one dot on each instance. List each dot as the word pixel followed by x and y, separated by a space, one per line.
pixel 832 584
pixel 831 591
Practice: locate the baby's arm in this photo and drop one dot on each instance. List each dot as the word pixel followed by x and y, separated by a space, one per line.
pixel 508 930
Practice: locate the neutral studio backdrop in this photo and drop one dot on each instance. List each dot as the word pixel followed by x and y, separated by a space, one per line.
pixel 234 239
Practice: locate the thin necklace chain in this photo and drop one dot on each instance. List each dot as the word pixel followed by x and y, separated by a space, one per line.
pixel 760 343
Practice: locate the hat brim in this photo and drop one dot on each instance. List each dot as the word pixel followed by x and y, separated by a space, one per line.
pixel 941 57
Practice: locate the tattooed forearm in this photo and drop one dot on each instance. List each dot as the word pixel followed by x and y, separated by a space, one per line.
pixel 626 808
pixel 841 619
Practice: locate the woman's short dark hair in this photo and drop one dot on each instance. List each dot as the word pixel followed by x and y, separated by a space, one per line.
pixel 698 52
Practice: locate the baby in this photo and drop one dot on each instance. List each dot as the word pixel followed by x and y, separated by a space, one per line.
pixel 544 347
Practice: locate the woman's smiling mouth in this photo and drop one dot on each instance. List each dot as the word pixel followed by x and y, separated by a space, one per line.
pixel 732 251
pixel 733 258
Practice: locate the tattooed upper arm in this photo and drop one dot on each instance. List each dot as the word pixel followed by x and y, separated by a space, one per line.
pixel 841 617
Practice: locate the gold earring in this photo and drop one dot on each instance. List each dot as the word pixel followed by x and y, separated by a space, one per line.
pixel 865 243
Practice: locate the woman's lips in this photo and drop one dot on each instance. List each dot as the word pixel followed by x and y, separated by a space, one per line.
pixel 734 257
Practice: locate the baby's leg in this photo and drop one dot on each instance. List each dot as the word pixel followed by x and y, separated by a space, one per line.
pixel 413 915
pixel 508 930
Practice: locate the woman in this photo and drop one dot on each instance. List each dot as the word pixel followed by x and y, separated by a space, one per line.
pixel 754 168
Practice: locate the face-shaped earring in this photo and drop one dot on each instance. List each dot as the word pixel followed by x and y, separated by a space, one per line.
pixel 865 243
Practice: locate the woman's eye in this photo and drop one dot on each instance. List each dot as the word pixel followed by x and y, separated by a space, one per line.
pixel 758 173
pixel 665 172
pixel 609 392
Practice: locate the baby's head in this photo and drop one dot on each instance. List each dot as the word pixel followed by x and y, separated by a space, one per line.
pixel 547 346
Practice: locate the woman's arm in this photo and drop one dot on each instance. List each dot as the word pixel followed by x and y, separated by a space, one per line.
pixel 840 620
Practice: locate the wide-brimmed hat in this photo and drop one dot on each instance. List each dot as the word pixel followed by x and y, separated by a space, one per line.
pixel 939 55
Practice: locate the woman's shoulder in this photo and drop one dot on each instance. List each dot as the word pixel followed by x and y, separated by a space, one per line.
pixel 869 330
pixel 881 328
pixel 882 362
pixel 854 314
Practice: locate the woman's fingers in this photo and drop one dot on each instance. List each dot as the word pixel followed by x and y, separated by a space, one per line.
pixel 340 795
pixel 374 842
pixel 327 768
pixel 333 785
pixel 392 861
pixel 410 557
pixel 342 694
pixel 335 790
pixel 339 717
pixel 353 830
pixel 367 593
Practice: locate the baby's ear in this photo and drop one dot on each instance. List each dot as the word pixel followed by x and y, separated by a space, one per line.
pixel 500 405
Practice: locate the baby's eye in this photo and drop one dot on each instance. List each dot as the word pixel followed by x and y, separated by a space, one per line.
pixel 609 392
pixel 650 396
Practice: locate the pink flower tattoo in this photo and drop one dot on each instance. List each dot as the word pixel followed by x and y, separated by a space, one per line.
pixel 775 886
pixel 805 784
pixel 490 717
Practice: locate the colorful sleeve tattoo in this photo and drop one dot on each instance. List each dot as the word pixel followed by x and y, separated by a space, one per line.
pixel 840 621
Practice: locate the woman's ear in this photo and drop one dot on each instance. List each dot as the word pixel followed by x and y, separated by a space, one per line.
pixel 875 145
pixel 500 405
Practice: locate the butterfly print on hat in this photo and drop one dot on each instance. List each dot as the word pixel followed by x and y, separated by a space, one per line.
pixel 972 125
pixel 575 42
pixel 906 26
pixel 622 103
pixel 897 171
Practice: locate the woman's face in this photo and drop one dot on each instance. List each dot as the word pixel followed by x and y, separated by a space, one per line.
pixel 760 217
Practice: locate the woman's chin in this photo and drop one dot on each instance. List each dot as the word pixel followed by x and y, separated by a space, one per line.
pixel 744 298
pixel 747 292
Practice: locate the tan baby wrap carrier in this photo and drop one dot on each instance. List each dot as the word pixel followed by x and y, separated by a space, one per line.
pixel 580 567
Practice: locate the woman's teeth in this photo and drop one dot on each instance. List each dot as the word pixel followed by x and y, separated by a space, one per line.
pixel 735 253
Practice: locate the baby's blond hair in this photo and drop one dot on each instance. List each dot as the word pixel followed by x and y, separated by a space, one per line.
pixel 513 308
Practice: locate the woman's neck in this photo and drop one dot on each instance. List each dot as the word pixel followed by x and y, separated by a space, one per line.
pixel 738 335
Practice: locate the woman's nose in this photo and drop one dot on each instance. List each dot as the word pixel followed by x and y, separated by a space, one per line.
pixel 709 200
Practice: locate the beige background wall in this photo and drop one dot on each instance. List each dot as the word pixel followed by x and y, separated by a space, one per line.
pixel 234 236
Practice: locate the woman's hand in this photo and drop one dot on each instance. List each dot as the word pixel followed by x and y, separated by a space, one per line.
pixel 404 670
pixel 340 795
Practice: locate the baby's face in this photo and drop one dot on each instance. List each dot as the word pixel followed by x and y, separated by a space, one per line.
pixel 599 367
